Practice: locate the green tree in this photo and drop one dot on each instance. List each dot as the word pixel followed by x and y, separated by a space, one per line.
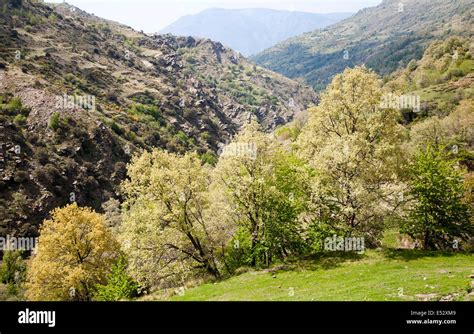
pixel 439 216
pixel 12 270
pixel 119 284
pixel 256 190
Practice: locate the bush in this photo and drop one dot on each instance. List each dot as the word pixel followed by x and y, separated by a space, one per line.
pixel 440 218
pixel 47 175
pixel 119 284
pixel 20 176
pixel 209 158
pixel 42 155
pixel 116 128
pixel 14 107
pixel 150 110
pixel 19 119
pixel 238 252
pixel 54 121
pixel 13 270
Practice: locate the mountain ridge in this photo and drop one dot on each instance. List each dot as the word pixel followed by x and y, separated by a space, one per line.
pixel 250 30
pixel 396 35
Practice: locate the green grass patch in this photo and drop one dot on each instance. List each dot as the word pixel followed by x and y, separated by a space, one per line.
pixel 377 275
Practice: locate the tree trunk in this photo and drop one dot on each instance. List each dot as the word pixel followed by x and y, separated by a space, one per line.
pixel 426 240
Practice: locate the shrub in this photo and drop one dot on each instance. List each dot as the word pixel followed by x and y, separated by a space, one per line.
pixel 116 128
pixel 54 121
pixel 12 270
pixel 42 155
pixel 19 119
pixel 209 158
pixel 182 137
pixel 119 284
pixel 13 107
pixel 20 176
pixel 150 110
pixel 47 175
pixel 439 218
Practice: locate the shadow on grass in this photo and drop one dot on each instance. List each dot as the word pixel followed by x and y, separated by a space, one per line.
pixel 413 254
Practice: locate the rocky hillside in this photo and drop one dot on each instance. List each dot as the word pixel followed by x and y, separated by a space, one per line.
pixel 251 30
pixel 385 37
pixel 79 95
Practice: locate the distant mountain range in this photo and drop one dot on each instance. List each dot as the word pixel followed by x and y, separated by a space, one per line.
pixel 384 38
pixel 250 31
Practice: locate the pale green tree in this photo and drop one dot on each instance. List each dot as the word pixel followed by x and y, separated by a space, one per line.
pixel 353 144
pixel 164 231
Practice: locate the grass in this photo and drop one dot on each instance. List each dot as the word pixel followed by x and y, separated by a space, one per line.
pixel 377 275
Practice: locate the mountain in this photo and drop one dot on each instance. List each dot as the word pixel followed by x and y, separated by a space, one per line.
pixel 385 37
pixel 79 95
pixel 250 30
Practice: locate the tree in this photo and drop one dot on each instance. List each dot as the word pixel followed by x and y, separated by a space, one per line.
pixel 439 216
pixel 12 270
pixel 455 129
pixel 353 145
pixel 119 284
pixel 256 187
pixel 164 231
pixel 74 253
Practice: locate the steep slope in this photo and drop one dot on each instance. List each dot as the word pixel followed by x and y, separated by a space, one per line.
pixel 443 78
pixel 444 82
pixel 250 30
pixel 384 38
pixel 79 95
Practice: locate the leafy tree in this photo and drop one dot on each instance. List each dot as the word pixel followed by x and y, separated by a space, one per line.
pixel 75 252
pixel 353 145
pixel 256 189
pixel 439 216
pixel 119 284
pixel 12 270
pixel 164 231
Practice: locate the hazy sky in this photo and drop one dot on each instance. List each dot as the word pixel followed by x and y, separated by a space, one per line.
pixel 153 15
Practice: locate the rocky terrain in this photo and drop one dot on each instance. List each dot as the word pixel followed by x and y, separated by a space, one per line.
pixel 79 95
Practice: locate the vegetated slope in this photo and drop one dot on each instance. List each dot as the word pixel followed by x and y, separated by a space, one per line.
pixel 443 78
pixel 388 275
pixel 250 30
pixel 176 93
pixel 444 82
pixel 384 38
